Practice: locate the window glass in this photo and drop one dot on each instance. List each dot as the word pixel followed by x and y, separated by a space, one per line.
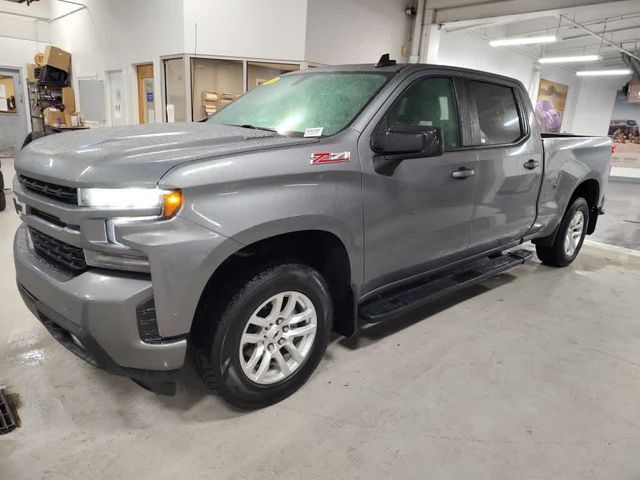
pixel 291 104
pixel 7 95
pixel 260 72
pixel 429 102
pixel 216 83
pixel 175 94
pixel 497 113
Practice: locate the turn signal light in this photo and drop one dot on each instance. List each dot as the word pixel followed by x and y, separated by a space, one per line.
pixel 172 203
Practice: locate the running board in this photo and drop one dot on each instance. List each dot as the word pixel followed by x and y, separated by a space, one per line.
pixel 400 301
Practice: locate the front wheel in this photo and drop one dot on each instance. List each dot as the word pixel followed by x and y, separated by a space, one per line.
pixel 569 238
pixel 3 199
pixel 270 337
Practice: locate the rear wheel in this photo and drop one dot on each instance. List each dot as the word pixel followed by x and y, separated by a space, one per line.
pixel 270 336
pixel 569 238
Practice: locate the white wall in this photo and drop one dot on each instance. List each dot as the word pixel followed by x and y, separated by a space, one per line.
pixel 15 27
pixel 117 34
pixel 595 105
pixel 464 49
pixel 273 29
pixel 16 54
pixel 356 31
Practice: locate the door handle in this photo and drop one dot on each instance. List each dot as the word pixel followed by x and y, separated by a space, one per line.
pixel 463 173
pixel 531 164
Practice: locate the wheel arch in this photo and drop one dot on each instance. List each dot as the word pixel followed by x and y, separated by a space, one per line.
pixel 589 189
pixel 322 249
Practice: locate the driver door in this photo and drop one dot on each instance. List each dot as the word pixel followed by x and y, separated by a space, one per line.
pixel 417 212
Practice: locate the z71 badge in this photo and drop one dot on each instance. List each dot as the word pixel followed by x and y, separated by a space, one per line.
pixel 318 158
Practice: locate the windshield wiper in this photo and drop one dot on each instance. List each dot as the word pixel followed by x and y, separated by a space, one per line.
pixel 253 127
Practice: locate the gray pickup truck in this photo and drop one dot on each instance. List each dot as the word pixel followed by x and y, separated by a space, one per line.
pixel 317 200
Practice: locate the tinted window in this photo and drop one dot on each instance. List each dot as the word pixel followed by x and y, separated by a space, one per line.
pixel 497 113
pixel 429 102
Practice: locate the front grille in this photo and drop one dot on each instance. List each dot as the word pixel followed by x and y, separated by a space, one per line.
pixel 51 190
pixel 58 252
pixel 52 219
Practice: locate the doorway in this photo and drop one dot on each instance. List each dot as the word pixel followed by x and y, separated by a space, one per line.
pixel 146 94
pixel 13 124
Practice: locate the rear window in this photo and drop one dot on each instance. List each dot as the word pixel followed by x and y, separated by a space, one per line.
pixel 498 116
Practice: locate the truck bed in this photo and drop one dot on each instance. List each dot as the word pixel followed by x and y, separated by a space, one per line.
pixel 568 161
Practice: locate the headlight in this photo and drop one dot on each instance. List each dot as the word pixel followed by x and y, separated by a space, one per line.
pixel 167 201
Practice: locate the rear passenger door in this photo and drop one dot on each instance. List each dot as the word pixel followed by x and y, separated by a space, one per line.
pixel 509 168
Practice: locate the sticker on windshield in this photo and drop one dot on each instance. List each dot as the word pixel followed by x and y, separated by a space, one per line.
pixel 271 81
pixel 318 158
pixel 313 132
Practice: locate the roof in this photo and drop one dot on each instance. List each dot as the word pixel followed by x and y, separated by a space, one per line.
pixel 405 68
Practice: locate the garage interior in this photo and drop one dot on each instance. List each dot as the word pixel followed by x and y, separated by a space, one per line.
pixel 531 374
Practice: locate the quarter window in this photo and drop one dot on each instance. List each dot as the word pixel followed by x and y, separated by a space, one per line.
pixel 429 102
pixel 498 116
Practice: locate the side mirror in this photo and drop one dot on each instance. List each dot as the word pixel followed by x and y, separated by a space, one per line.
pixel 408 141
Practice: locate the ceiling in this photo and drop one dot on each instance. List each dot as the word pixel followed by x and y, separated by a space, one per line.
pixel 617 21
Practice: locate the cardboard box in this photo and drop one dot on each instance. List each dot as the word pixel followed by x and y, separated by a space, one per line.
pixel 53 117
pixel 57 58
pixel 73 119
pixel 31 72
pixel 68 99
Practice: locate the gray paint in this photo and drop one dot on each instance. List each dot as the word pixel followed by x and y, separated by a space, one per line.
pixel 241 186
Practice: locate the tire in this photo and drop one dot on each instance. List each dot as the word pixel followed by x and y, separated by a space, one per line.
pixel 556 254
pixel 3 198
pixel 225 364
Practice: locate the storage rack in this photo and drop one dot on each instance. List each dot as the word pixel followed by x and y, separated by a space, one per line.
pixel 41 96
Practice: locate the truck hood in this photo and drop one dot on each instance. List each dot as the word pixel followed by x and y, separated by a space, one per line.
pixel 136 155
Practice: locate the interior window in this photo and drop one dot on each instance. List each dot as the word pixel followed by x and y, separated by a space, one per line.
pixel 429 102
pixel 497 113
pixel 7 95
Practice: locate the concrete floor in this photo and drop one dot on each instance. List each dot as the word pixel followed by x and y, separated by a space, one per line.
pixel 621 223
pixel 533 374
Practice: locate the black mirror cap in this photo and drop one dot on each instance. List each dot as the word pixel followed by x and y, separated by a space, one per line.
pixel 408 141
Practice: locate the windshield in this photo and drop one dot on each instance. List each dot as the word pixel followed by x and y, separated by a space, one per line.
pixel 308 104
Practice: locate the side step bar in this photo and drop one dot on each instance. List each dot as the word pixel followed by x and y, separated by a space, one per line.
pixel 400 301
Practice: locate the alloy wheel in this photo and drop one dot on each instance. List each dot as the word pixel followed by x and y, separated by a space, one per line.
pixel 278 337
pixel 574 233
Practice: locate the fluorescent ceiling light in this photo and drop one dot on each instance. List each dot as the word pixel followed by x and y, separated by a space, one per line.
pixel 576 58
pixel 600 73
pixel 503 42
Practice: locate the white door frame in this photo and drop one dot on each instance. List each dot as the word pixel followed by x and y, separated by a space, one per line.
pixel 23 96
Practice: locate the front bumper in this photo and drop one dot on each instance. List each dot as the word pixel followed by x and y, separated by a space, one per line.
pixel 98 308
